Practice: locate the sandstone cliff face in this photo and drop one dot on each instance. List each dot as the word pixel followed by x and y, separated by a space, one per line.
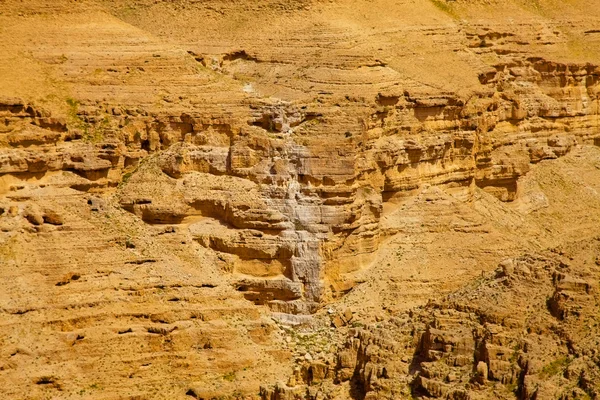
pixel 295 209
pixel 281 158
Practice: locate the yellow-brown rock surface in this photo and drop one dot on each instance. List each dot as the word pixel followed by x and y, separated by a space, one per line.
pixel 290 200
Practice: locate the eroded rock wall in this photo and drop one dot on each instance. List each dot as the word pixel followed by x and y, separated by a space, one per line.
pixel 297 204
pixel 294 205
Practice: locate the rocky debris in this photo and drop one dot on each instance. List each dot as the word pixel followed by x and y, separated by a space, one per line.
pixel 24 213
pixel 342 319
pixel 493 339
pixel 33 214
pixel 52 217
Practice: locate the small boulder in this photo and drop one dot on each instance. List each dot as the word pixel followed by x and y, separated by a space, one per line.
pixel 52 217
pixel 95 203
pixel 33 214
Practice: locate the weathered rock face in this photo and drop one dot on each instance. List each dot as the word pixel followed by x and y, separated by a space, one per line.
pixel 286 153
pixel 297 208
pixel 499 338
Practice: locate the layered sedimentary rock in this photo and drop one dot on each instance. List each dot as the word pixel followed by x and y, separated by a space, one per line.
pixel 297 208
pixel 278 159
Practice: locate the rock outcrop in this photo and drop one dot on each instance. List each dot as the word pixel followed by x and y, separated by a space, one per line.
pixel 304 207
pixel 499 337
pixel 175 176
